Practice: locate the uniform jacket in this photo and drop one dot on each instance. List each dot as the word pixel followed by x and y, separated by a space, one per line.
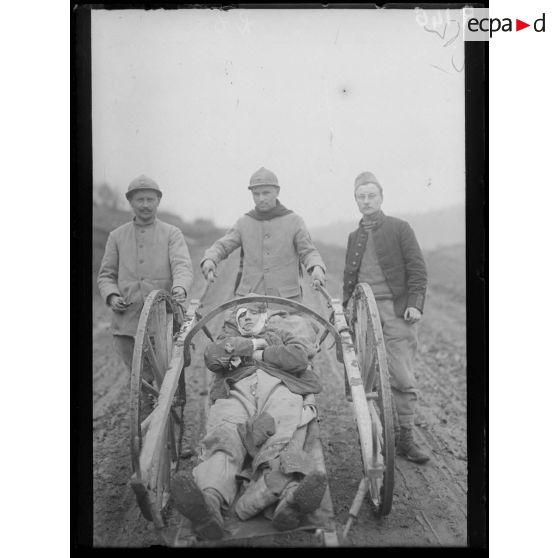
pixel 272 250
pixel 138 259
pixel 292 344
pixel 400 258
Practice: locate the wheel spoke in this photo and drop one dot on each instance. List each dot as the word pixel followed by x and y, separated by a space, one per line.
pixel 153 361
pixel 150 388
pixel 160 335
pixel 170 323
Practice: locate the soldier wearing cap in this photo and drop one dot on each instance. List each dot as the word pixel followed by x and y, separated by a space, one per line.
pixel 262 366
pixel 274 242
pixel 140 256
pixel 384 253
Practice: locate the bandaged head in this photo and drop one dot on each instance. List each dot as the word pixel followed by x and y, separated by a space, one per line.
pixel 251 317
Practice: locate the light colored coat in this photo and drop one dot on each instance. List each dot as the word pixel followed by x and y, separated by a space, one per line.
pixel 272 251
pixel 140 258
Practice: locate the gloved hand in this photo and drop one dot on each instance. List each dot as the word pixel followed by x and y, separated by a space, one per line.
pixel 318 276
pixel 179 295
pixel 412 315
pixel 258 355
pixel 117 303
pixel 259 343
pixel 208 269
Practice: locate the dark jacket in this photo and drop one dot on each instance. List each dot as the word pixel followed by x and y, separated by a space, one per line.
pixel 292 345
pixel 400 258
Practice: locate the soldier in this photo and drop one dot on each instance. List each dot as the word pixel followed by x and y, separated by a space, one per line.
pixel 384 253
pixel 140 256
pixel 273 242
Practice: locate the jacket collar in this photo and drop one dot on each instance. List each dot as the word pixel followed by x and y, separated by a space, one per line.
pixel 134 221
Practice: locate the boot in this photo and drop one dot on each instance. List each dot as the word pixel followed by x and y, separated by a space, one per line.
pixel 202 508
pixel 408 448
pixel 299 499
pixel 255 499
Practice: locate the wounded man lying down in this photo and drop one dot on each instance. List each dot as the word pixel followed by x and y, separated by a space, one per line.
pixel 262 371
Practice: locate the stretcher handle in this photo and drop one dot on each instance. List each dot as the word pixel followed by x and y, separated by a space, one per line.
pixel 209 281
pixel 181 309
pixel 357 503
pixel 325 294
pixel 329 300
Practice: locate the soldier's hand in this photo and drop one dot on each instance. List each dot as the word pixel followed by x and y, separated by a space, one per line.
pixel 208 269
pixel 260 343
pixel 117 303
pixel 257 355
pixel 412 315
pixel 179 294
pixel 318 276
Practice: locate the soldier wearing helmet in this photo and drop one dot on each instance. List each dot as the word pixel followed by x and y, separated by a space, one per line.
pixel 274 243
pixel 140 256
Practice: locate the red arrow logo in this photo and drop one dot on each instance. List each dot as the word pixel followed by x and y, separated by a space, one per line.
pixel 519 25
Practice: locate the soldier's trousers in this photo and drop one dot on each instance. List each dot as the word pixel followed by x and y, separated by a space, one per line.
pixel 223 451
pixel 401 342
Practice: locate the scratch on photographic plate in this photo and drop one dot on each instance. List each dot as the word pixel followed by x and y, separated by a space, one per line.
pixel 438 68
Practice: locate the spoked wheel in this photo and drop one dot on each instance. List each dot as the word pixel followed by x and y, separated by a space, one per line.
pixel 372 360
pixel 160 319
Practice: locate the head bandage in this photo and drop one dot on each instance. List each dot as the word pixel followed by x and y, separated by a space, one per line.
pixel 258 325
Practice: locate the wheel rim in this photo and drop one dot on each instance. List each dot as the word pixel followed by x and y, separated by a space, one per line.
pixel 159 321
pixel 372 359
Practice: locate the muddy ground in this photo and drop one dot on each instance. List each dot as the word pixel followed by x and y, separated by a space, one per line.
pixel 429 506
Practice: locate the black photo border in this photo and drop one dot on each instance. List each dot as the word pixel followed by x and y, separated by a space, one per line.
pixel 476 161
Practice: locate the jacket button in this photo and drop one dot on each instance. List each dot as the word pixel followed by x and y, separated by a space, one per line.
pixel 141 261
pixel 266 235
pixel 354 263
pixel 356 253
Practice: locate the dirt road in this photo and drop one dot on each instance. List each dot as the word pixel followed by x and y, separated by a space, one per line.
pixel 429 507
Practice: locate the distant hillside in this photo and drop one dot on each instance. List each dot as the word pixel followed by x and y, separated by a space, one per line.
pixel 443 227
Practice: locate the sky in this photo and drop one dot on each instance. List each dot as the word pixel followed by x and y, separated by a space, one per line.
pixel 201 99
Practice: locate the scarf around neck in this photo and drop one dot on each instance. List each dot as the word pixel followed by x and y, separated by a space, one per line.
pixel 374 223
pixel 278 211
